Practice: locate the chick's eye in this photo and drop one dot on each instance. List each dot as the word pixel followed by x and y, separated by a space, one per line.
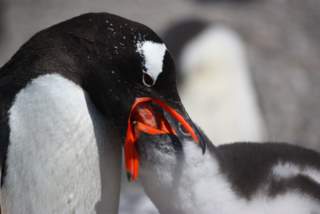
pixel 147 80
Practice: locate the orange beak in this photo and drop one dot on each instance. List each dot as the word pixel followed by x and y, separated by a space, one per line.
pixel 142 118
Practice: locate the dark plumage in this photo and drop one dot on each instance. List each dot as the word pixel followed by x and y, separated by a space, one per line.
pixel 247 166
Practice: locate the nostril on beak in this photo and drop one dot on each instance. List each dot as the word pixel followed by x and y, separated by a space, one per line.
pixel 148 80
pixel 184 131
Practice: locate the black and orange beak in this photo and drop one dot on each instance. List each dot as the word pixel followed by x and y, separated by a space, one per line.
pixel 144 119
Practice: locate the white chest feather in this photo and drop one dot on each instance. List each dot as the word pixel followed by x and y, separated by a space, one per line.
pixel 60 158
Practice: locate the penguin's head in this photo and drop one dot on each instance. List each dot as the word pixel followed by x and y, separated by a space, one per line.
pixel 133 81
pixel 118 62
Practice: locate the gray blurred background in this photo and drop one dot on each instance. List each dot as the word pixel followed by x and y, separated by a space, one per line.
pixel 281 37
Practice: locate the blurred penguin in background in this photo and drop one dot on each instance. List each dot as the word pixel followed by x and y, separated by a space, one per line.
pixel 214 80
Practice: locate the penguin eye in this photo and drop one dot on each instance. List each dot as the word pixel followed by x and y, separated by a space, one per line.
pixel 147 80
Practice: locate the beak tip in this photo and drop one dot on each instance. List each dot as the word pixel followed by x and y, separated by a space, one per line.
pixel 203 147
pixel 129 176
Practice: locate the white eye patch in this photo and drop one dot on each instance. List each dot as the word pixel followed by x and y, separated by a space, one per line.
pixel 153 54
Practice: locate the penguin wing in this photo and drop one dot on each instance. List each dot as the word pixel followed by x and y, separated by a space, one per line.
pixel 6 98
pixel 281 167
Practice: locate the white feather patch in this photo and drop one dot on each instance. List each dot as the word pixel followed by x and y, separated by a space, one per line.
pixel 153 54
pixel 288 170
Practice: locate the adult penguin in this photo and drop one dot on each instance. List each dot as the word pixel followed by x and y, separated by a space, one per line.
pixel 62 117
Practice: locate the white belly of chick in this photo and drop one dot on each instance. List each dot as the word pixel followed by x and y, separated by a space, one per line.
pixel 196 185
pixel 60 157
